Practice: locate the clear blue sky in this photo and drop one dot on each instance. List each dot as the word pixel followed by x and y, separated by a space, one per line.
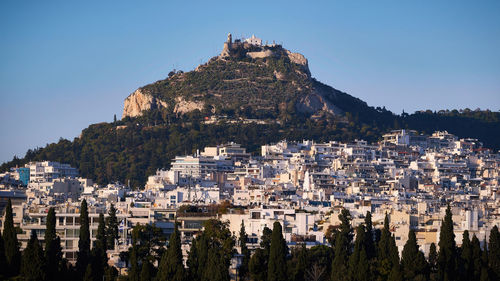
pixel 66 65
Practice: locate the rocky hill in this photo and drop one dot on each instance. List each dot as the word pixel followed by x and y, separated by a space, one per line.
pixel 245 80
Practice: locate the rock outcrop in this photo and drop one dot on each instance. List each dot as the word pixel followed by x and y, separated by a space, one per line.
pixel 139 101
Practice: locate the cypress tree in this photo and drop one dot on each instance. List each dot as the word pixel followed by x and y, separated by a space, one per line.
pixel 369 245
pixel 494 253
pixel 53 250
pixel 171 266
pixel 12 253
pixel 111 228
pixel 358 261
pixel 433 261
pixel 276 270
pixel 467 264
pixel 83 255
pixel 447 257
pixel 192 261
pixel 260 259
pixel 485 270
pixel 245 252
pixel 3 260
pixel 343 244
pixel 395 274
pixel 147 272
pixel 134 272
pixel 413 261
pixel 258 265
pixel 33 262
pixel 89 275
pixel 99 256
pixel 387 255
pixel 476 258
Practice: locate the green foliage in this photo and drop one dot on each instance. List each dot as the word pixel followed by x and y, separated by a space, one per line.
pixel 111 228
pixel 277 270
pixel 387 255
pixel 11 244
pixel 343 244
pixel 467 265
pixel 494 253
pixel 211 252
pixel 171 265
pixel 53 250
pixel 358 266
pixel 99 258
pixel 413 261
pixel 447 257
pixel 83 255
pixel 33 262
pixel 245 252
pixel 297 264
pixel 3 259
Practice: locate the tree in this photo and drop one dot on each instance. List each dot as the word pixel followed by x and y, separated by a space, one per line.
pixel 33 260
pixel 358 262
pixel 476 258
pixel 12 253
pixel 171 266
pixel 245 252
pixel 111 228
pixel 447 257
pixel 276 270
pixel 83 255
pixel 494 253
pixel 53 250
pixel 3 259
pixel 99 258
pixel 387 256
pixel 147 272
pixel 343 244
pixel 369 245
pixel 466 270
pixel 433 261
pixel 297 265
pixel 211 253
pixel 413 261
pixel 258 265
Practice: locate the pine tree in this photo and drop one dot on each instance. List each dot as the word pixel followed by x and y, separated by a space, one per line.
pixel 171 266
pixel 33 262
pixel 413 261
pixel 494 253
pixel 276 270
pixel 467 265
pixel 447 257
pixel 111 228
pixel 83 255
pixel 343 244
pixel 53 250
pixel 3 259
pixel 245 252
pixel 12 253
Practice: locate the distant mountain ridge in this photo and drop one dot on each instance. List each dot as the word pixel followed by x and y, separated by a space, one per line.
pixel 251 94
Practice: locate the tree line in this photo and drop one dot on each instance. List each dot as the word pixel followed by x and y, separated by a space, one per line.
pixel 371 254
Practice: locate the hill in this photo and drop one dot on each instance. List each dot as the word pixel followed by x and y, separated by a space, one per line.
pixel 250 94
